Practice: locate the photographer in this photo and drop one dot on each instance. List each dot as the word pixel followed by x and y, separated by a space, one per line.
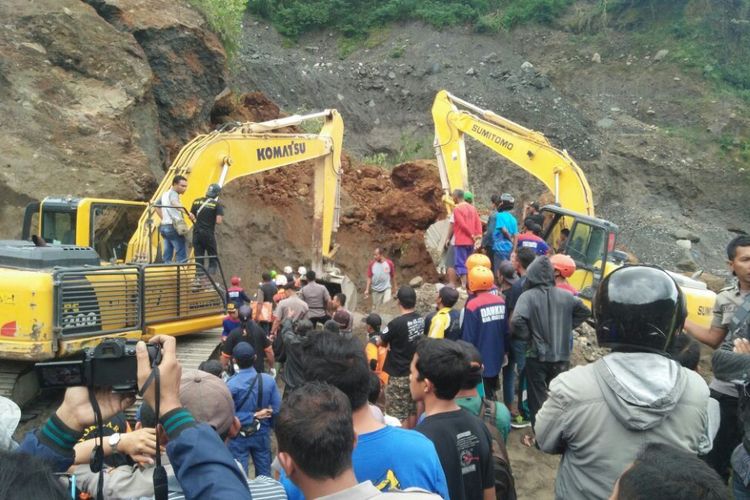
pixel 203 465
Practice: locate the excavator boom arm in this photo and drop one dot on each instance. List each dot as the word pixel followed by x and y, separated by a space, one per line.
pixel 530 150
pixel 250 148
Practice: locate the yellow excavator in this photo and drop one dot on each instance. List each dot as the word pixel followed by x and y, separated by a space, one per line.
pixel 591 242
pixel 93 271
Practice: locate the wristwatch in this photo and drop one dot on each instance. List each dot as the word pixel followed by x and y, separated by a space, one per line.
pixel 114 440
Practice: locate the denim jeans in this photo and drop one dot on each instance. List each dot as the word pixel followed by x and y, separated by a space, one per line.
pixel 257 446
pixel 173 244
pixel 741 492
pixel 516 364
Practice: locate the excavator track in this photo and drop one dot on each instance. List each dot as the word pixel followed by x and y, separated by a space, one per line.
pixel 18 381
pixel 195 348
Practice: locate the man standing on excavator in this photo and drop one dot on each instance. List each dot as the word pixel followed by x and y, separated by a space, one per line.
pixel 170 211
pixel 207 212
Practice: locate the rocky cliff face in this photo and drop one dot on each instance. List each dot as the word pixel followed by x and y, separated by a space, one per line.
pixel 185 57
pixel 77 119
pixel 95 100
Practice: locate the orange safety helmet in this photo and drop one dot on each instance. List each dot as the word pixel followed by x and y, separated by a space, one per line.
pixel 478 259
pixel 481 279
pixel 563 264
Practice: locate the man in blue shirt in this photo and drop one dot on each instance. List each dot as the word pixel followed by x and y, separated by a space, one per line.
pixel 256 413
pixel 505 232
pixel 390 457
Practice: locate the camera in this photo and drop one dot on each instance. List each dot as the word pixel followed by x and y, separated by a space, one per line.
pixel 112 363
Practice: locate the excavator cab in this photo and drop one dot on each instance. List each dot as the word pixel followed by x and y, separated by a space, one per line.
pixel 102 224
pixel 591 244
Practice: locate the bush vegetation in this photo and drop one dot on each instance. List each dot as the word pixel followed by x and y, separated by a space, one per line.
pixel 225 19
pixel 356 18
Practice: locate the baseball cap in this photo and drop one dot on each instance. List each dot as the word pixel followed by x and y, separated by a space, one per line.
pixel 407 296
pixel 208 398
pixel 507 272
pixel 243 352
pixel 468 196
pixel 374 320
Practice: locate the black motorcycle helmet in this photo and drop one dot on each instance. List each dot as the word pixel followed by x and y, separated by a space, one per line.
pixel 213 191
pixel 639 309
pixel 507 202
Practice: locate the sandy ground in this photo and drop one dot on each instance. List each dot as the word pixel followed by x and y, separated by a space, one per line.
pixel 533 470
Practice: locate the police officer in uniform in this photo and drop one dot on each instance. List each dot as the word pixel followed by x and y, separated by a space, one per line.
pixel 208 212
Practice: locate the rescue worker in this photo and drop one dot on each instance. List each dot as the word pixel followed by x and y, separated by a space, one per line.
pixel 531 237
pixel 564 267
pixel 207 212
pixel 230 321
pixel 485 326
pixel 236 294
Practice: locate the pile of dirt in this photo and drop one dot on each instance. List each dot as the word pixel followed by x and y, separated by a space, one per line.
pixel 379 208
pixel 415 200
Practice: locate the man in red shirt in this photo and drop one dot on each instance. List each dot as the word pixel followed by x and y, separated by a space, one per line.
pixel 466 228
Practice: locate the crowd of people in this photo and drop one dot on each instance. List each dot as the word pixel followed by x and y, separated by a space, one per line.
pixel 422 406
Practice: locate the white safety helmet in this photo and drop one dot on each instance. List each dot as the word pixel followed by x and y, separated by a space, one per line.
pixel 281 280
pixel 302 270
pixel 287 269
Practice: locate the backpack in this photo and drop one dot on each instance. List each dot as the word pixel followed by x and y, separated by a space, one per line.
pixel 505 486
pixel 453 332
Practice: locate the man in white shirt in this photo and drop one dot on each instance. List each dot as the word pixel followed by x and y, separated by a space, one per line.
pixel 171 210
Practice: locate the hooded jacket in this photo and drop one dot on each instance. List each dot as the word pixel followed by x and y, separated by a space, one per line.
pixel 599 416
pixel 545 315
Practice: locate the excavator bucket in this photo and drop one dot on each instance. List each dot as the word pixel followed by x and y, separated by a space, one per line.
pixel 434 239
pixel 336 282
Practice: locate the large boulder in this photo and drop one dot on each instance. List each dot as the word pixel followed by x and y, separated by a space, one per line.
pixel 186 57
pixel 78 114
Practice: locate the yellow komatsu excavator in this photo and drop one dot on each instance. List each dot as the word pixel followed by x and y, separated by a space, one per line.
pixel 591 242
pixel 94 271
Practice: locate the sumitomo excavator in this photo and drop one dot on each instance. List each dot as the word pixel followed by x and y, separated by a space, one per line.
pixel 94 271
pixel 591 242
